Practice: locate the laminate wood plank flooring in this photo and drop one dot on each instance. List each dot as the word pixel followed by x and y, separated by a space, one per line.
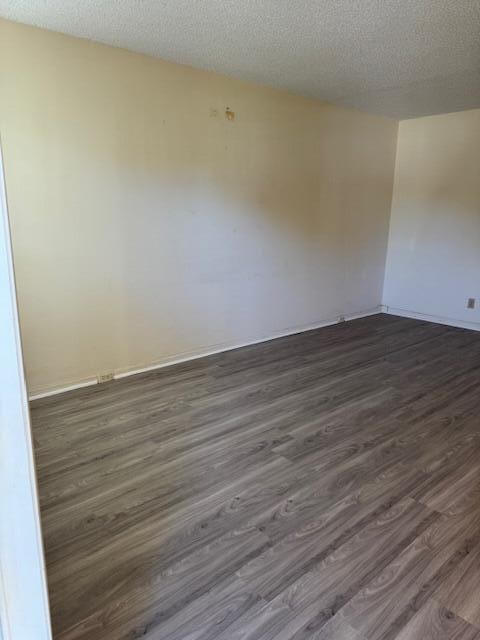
pixel 322 486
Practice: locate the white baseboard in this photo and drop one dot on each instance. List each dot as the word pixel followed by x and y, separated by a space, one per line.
pixel 415 315
pixel 195 355
pixel 57 390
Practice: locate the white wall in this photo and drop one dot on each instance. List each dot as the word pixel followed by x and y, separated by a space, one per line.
pixel 433 262
pixel 148 226
pixel 24 611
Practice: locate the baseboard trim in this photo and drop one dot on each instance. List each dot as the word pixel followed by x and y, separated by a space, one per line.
pixel 186 357
pixel 57 390
pixel 427 317
pixel 223 348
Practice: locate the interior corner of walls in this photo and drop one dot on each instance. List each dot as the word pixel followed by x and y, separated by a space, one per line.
pixel 390 211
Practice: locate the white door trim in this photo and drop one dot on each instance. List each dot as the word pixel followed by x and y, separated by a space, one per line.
pixel 24 608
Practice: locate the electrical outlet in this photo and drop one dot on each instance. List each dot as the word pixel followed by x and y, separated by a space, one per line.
pixel 471 303
pixel 104 377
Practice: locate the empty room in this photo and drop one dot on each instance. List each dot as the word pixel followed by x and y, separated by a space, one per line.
pixel 239 320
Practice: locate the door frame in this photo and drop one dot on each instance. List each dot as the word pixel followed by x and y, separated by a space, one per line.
pixel 24 606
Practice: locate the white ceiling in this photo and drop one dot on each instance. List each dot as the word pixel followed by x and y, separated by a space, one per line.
pixel 401 58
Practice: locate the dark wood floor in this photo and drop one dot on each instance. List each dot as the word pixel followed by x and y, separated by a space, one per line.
pixel 322 486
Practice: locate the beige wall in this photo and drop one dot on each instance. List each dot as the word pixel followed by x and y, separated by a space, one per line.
pixel 433 264
pixel 147 226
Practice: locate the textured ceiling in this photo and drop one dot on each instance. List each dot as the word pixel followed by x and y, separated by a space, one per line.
pixel 401 58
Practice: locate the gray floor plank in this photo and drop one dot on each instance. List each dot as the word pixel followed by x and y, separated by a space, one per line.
pixel 320 486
